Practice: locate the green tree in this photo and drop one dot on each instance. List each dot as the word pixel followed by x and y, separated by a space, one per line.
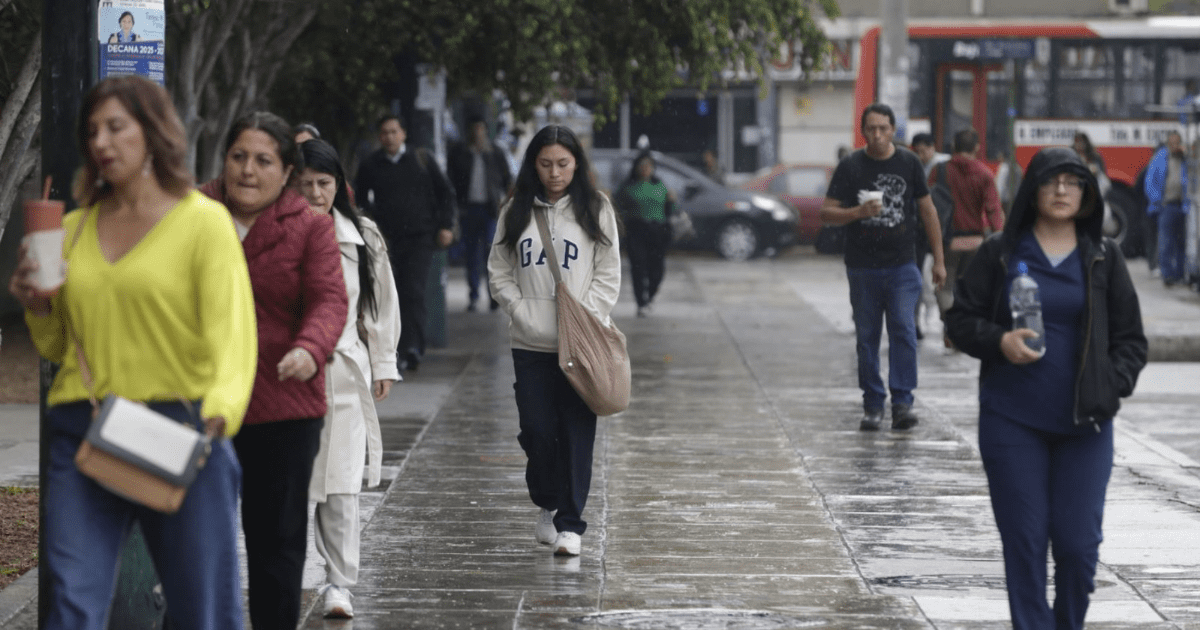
pixel 21 116
pixel 532 49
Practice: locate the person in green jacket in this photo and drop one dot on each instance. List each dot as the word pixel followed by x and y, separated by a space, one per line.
pixel 645 206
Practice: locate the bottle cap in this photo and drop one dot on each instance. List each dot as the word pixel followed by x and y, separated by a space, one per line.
pixel 1022 268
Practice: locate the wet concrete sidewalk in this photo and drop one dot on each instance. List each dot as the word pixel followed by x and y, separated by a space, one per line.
pixel 737 491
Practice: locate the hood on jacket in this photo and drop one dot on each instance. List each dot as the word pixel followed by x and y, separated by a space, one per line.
pixel 1048 163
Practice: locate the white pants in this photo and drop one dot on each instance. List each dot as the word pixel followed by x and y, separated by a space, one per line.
pixel 335 531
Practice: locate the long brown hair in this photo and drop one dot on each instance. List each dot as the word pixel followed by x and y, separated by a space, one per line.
pixel 166 140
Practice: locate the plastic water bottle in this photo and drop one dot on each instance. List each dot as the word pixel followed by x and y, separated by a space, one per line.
pixel 1026 305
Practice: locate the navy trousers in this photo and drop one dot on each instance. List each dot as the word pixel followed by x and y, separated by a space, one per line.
pixel 194 550
pixel 1047 489
pixel 277 458
pixel 478 229
pixel 558 433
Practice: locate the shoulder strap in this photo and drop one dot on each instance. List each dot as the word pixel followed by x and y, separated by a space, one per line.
pixel 547 243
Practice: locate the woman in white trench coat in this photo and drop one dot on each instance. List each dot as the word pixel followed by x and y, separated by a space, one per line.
pixel 362 371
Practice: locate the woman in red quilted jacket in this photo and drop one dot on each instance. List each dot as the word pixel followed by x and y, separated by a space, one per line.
pixel 301 306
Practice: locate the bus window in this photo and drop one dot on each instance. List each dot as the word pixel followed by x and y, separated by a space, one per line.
pixel 958 105
pixel 1086 81
pixel 1036 101
pixel 1182 62
pixel 1137 86
pixel 1000 83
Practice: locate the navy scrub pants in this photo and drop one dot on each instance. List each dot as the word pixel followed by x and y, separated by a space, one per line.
pixel 558 433
pixel 194 550
pixel 1047 488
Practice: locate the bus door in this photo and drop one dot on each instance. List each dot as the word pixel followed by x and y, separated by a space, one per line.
pixel 975 96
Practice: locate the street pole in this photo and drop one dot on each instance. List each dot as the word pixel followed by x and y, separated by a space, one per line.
pixel 68 71
pixel 893 62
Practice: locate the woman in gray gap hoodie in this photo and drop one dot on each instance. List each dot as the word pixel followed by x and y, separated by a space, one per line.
pixel 558 430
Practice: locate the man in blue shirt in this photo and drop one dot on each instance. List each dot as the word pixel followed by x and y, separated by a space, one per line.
pixel 1166 191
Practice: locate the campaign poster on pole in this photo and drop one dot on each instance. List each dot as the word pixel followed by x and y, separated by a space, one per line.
pixel 131 35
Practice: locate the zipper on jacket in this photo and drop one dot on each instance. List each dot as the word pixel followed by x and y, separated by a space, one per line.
pixel 1087 338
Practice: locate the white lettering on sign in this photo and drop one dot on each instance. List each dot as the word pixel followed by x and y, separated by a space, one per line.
pixel 141 49
pixel 1103 133
pixel 966 50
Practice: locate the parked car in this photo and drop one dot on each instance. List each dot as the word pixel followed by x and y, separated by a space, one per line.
pixel 737 224
pixel 801 185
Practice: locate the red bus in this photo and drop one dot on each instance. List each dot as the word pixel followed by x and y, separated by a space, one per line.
pixel 1023 85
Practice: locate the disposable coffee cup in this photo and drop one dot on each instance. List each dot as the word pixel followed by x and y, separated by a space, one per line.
pixel 44 242
pixel 870 195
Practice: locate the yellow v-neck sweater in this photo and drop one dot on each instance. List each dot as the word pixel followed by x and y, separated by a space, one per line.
pixel 172 317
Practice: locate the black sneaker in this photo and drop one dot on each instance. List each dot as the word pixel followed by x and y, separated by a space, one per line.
pixel 871 420
pixel 903 418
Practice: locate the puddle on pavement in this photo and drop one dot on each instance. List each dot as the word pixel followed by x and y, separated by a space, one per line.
pixel 698 619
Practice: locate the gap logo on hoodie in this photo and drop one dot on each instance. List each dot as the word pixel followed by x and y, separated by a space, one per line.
pixel 570 252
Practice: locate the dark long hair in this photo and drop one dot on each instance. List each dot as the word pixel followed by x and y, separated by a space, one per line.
pixel 585 199
pixel 320 156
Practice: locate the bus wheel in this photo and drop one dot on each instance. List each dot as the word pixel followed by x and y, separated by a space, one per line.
pixel 1132 217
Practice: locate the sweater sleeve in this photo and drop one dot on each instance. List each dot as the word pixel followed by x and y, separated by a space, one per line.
pixel 501 268
pixel 383 327
pixel 606 265
pixel 226 308
pixel 323 292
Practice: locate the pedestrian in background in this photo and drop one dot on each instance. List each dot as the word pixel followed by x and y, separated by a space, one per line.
pixel 158 294
pixel 977 211
pixel 645 206
pixel 361 372
pixel 880 241
pixel 558 430
pixel 923 146
pixel 410 200
pixel 478 170
pixel 712 167
pixel 1166 191
pixel 1045 421
pixel 300 304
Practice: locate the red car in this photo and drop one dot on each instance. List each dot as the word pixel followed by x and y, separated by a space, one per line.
pixel 800 185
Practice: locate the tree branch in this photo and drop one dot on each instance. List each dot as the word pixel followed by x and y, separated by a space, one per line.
pixel 16 101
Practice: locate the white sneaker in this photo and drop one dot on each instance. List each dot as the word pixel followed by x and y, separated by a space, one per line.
pixel 567 544
pixel 544 531
pixel 337 602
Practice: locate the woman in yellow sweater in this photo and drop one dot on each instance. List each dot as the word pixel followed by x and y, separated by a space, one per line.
pixel 159 294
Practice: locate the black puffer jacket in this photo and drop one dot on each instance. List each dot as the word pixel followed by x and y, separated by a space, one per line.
pixel 1113 346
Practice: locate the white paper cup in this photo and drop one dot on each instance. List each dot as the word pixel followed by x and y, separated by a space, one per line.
pixel 870 195
pixel 45 247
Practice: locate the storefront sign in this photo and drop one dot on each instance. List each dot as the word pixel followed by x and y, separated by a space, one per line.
pixel 131 36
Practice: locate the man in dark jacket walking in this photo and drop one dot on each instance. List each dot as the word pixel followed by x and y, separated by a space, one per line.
pixel 479 172
pixel 409 198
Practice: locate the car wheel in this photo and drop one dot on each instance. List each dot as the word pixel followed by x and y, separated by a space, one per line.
pixel 737 240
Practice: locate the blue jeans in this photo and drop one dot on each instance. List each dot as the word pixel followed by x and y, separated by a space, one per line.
pixel 1171 231
pixel 1047 491
pixel 478 229
pixel 891 291
pixel 194 550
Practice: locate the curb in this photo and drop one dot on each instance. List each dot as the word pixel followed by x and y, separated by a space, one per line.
pixel 15 597
pixel 1173 348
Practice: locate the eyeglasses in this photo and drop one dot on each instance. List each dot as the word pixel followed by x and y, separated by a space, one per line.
pixel 1068 182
